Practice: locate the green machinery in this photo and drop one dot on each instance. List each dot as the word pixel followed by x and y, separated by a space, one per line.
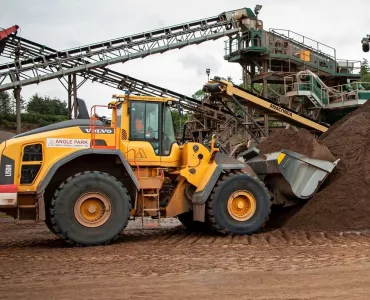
pixel 333 102
pixel 297 71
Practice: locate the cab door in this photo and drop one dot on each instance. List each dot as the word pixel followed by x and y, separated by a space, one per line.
pixel 144 133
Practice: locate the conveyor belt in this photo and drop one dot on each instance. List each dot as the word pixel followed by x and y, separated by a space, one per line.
pixel 115 79
pixel 47 66
pixel 247 98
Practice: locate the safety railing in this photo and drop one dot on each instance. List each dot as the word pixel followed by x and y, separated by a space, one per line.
pixel 350 91
pixel 94 128
pixel 305 42
pixel 280 44
pixel 348 66
pixel 330 95
pixel 125 154
pixel 253 40
pixel 286 43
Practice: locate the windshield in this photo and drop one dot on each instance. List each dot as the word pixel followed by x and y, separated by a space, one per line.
pixel 168 131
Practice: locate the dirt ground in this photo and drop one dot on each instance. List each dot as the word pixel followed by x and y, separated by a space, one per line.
pixel 170 263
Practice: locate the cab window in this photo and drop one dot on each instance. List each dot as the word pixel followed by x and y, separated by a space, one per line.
pixel 144 123
pixel 168 131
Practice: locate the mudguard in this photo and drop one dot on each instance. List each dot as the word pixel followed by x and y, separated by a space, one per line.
pixel 44 183
pixel 221 162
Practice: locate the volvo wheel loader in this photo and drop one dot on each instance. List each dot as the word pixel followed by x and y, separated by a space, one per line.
pixel 86 178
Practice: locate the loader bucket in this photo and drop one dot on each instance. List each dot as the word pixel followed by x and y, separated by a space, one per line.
pixel 295 175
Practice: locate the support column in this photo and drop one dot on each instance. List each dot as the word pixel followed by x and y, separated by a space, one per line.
pixel 69 90
pixel 245 84
pixel 75 96
pixel 17 96
pixel 265 94
pixel 72 95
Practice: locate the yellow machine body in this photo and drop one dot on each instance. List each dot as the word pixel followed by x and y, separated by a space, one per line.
pixel 41 159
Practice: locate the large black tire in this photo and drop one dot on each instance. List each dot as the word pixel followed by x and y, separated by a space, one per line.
pixel 49 225
pixel 64 220
pixel 221 220
pixel 186 219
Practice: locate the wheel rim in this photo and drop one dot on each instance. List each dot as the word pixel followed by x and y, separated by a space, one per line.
pixel 92 209
pixel 241 205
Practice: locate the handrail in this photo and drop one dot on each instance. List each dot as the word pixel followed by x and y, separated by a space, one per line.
pixel 135 163
pixel 275 31
pixel 93 127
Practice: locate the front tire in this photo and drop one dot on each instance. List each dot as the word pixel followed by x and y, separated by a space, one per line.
pixel 90 208
pixel 239 204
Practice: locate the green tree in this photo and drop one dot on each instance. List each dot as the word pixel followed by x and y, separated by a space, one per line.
pixel 13 104
pixel 47 106
pixel 365 74
pixel 5 105
pixel 178 121
pixel 364 68
pixel 198 95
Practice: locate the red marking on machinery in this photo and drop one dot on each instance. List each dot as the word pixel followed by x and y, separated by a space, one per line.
pixel 8 188
pixel 6 32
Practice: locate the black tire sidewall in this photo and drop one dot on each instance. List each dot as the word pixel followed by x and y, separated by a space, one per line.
pixel 220 212
pixel 186 219
pixel 63 208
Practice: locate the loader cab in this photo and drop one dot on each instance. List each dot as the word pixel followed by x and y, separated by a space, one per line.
pixel 152 122
pixel 147 127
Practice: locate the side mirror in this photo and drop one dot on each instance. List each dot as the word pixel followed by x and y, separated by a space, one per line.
pixel 214 145
pixel 184 133
pixel 180 110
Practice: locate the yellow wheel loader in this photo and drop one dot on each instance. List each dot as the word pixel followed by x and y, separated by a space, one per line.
pixel 87 177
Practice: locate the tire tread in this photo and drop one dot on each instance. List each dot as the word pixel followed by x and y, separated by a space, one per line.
pixel 56 198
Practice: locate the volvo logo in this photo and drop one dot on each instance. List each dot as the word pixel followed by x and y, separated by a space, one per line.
pixel 98 130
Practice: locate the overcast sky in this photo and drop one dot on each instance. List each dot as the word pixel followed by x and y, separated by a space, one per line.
pixel 63 24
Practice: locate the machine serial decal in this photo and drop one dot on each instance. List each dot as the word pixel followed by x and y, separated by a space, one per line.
pixel 280 109
pixel 8 170
pixel 98 130
pixel 67 143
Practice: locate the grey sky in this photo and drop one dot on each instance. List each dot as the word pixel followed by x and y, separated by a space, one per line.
pixel 65 24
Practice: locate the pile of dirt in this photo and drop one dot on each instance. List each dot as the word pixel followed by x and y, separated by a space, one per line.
pixel 344 202
pixel 301 141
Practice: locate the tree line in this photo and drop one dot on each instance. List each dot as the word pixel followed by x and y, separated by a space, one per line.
pixel 38 110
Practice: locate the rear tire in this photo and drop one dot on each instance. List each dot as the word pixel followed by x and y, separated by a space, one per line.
pixel 239 204
pixel 90 208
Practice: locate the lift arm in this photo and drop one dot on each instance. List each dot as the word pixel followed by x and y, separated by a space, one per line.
pixel 227 89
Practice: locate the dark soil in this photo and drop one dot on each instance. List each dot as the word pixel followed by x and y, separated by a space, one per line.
pixel 301 141
pixel 344 202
